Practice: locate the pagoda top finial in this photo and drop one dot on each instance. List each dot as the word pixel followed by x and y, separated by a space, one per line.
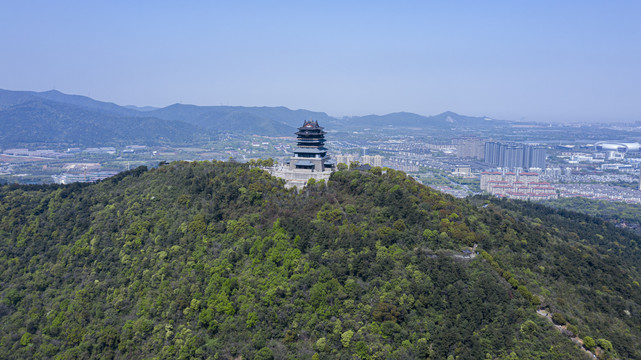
pixel 310 124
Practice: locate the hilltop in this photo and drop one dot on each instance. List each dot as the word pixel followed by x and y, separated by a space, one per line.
pixel 219 260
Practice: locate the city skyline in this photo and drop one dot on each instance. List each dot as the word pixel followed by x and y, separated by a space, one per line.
pixel 547 62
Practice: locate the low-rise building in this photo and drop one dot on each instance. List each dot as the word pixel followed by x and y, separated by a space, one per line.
pixel 523 186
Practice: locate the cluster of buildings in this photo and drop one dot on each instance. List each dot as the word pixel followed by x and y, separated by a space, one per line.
pixel 598 157
pixel 372 160
pixel 521 186
pixel 514 156
pixel 134 148
pixel 412 148
pixel 405 165
pixel 35 153
pixel 89 176
pixel 82 172
pixel 600 192
pixel 52 154
pixel 501 155
pixel 522 167
pixel 102 150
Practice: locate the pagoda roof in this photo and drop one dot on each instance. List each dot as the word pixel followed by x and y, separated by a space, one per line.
pixel 310 125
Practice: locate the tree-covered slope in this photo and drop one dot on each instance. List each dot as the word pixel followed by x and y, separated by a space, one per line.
pixel 218 260
pixel 623 214
pixel 45 122
pixel 10 98
pixel 584 267
pixel 229 119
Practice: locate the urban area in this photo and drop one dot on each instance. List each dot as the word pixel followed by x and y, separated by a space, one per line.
pixel 460 165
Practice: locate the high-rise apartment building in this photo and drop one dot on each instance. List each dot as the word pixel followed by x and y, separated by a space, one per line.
pixel 469 147
pixel 345 159
pixel 514 156
pixel 373 160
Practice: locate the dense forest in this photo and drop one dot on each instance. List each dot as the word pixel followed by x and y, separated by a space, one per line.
pixel 620 213
pixel 220 261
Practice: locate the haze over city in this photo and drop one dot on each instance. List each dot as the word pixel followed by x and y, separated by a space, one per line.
pixel 545 61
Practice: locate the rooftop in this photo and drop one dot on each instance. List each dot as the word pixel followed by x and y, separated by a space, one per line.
pixel 310 125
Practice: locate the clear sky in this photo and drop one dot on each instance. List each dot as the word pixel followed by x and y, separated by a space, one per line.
pixel 534 60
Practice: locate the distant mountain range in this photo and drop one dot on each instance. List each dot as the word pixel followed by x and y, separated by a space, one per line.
pixel 229 119
pixel 446 120
pixel 9 98
pixel 29 118
pixel 48 122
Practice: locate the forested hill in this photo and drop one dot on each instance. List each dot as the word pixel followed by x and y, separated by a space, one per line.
pixel 218 260
pixel 623 214
pixel 44 123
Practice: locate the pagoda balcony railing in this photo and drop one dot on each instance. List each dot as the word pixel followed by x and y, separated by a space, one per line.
pixel 310 133
pixel 309 156
pixel 311 142
pixel 317 138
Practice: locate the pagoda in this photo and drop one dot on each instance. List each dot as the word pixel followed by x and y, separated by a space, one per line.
pixel 310 153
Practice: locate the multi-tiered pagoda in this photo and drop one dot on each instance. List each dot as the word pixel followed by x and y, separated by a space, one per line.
pixel 310 153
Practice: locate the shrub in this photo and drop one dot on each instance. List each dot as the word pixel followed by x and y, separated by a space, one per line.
pixel 589 343
pixel 264 354
pixel 558 319
pixel 605 344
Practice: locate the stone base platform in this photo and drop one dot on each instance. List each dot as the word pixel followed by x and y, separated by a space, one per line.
pixel 298 178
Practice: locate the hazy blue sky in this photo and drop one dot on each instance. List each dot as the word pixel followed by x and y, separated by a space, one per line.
pixel 538 60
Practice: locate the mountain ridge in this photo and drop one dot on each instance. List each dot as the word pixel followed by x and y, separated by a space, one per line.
pixel 40 121
pixel 57 96
pixel 258 120
pixel 445 120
